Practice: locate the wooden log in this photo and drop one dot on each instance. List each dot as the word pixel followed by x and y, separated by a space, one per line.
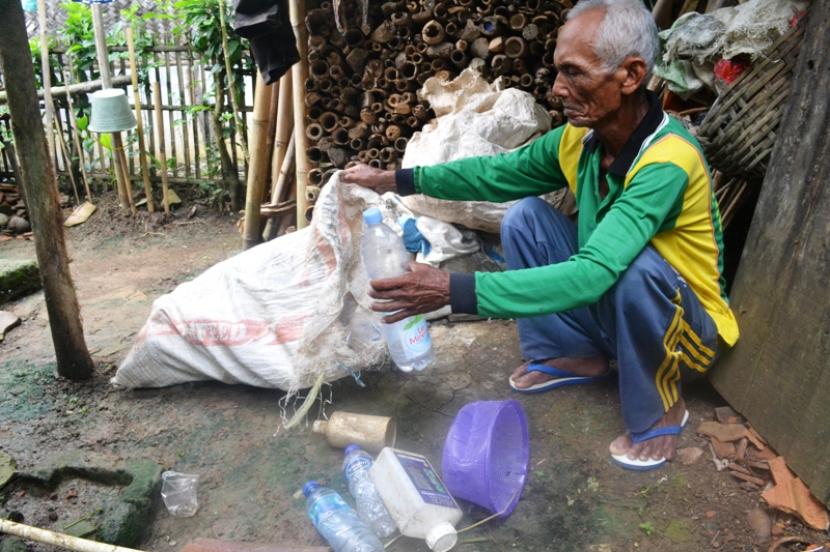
pixel 259 166
pixel 285 125
pixel 161 154
pixel 139 129
pixel 37 177
pixel 777 374
pixel 297 15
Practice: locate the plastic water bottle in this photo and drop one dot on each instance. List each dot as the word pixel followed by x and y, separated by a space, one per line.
pixel 370 506
pixel 337 522
pixel 385 256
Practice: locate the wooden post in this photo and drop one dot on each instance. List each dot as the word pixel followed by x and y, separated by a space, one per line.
pixel 37 176
pixel 299 71
pixel 777 375
pixel 124 186
pixel 161 154
pixel 259 164
pixel 139 129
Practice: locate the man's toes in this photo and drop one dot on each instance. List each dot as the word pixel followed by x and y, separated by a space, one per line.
pixel 620 445
pixel 519 372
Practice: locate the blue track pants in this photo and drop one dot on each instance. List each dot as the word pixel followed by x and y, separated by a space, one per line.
pixel 650 321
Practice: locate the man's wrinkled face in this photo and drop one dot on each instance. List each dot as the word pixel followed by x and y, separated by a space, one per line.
pixel 589 92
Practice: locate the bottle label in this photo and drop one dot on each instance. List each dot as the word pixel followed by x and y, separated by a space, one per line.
pixel 425 479
pixel 326 503
pixel 415 336
pixel 357 464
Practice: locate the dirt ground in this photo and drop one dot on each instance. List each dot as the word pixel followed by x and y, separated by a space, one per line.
pixel 250 470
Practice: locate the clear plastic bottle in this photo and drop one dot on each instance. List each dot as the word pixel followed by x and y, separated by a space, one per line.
pixel 385 256
pixel 337 522
pixel 370 507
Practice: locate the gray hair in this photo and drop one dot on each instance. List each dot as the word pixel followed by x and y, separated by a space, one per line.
pixel 628 29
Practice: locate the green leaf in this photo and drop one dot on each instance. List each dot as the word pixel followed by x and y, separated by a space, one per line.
pixel 106 141
pixel 83 122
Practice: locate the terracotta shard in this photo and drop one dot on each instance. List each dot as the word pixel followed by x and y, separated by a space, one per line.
pixel 722 449
pixel 723 432
pixel 689 455
pixel 792 496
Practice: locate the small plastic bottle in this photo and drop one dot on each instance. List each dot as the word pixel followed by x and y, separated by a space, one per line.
pixel 337 522
pixel 385 256
pixel 416 498
pixel 370 507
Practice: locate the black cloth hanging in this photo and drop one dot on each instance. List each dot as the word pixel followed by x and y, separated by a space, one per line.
pixel 265 23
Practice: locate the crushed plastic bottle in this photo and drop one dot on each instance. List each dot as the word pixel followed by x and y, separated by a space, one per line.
pixel 337 522
pixel 385 256
pixel 370 507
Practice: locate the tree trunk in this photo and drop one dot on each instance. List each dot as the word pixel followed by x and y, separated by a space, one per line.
pixel 37 176
pixel 778 375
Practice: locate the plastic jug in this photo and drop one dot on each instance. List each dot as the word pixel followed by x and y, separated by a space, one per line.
pixel 416 498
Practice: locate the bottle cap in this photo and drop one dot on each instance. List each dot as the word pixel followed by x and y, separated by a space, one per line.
pixel 442 537
pixel 372 216
pixel 310 487
pixel 351 448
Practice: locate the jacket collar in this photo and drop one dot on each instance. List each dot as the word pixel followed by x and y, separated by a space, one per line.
pixel 630 150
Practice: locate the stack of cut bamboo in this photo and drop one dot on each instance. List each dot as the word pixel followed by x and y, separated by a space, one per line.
pixel 361 92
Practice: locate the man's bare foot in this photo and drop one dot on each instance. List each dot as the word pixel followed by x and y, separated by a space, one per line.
pixel 587 366
pixel 653 449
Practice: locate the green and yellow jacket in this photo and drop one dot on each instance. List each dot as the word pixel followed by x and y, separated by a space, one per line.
pixel 659 192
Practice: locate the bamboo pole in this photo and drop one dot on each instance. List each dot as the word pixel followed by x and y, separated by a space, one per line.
pixel 271 227
pixel 67 159
pixel 161 154
pixel 124 196
pixel 297 16
pixel 259 164
pixel 142 154
pixel 46 76
pixel 285 124
pixel 79 88
pixel 76 137
pixel 237 117
pixel 69 542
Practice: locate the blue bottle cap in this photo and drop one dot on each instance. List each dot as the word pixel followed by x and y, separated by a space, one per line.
pixel 310 487
pixel 372 216
pixel 352 448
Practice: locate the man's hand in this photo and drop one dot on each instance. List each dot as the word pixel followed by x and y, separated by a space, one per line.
pixel 369 177
pixel 423 289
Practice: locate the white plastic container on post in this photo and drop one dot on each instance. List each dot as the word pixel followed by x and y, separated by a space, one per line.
pixel 416 498
pixel 385 256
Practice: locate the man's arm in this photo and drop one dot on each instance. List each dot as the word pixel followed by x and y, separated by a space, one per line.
pixel 530 170
pixel 639 213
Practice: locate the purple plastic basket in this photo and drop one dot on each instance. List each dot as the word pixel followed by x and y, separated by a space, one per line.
pixel 486 455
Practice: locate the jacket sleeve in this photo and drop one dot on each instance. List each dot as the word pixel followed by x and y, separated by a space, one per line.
pixel 532 169
pixel 634 218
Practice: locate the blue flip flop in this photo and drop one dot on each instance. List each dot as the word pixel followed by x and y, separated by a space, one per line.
pixel 561 378
pixel 624 461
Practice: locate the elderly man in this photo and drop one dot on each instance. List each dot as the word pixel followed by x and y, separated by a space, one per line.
pixel 637 280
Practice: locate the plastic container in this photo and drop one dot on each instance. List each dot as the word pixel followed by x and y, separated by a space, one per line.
pixel 385 256
pixel 370 507
pixel 337 522
pixel 416 498
pixel 178 491
pixel 486 455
